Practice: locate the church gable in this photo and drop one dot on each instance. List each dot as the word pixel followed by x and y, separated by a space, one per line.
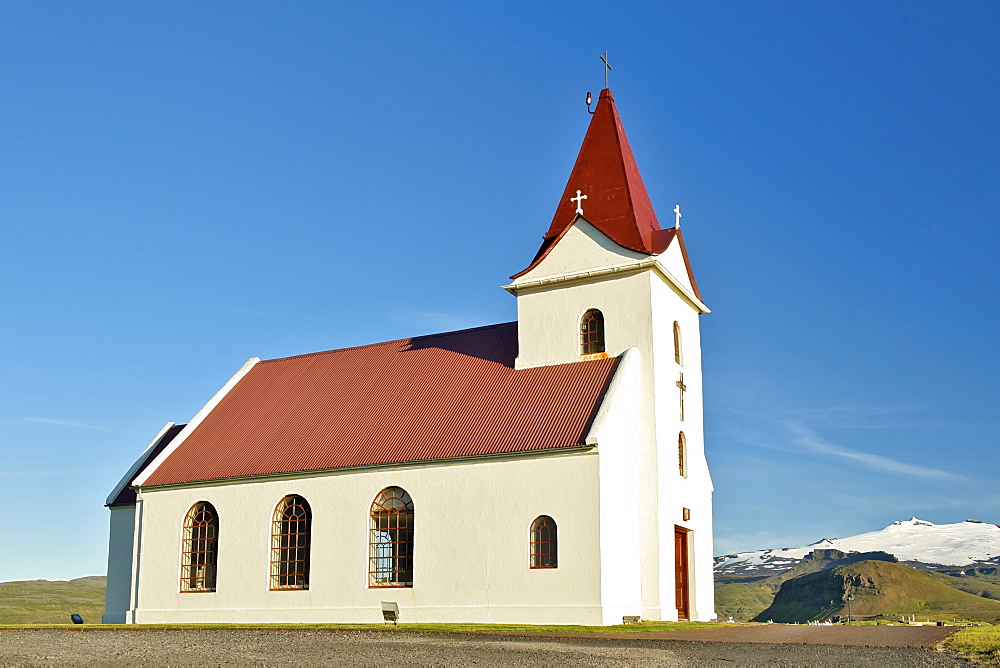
pixel 675 261
pixel 583 250
pixel 581 247
pixel 432 397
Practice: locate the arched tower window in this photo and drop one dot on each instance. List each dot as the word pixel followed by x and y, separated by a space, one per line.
pixel 544 543
pixel 291 536
pixel 592 333
pixel 199 548
pixel 390 545
pixel 677 343
pixel 682 454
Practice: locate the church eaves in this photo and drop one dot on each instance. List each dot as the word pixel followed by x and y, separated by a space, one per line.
pixel 123 494
pixel 427 398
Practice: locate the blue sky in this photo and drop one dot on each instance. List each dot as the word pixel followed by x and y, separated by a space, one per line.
pixel 187 185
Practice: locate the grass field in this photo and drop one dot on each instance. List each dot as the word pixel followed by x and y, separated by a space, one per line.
pixel 501 629
pixel 45 602
pixel 980 644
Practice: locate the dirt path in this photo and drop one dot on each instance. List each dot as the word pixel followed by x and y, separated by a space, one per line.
pixel 277 647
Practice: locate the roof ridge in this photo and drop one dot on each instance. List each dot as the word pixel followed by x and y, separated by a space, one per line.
pixel 384 343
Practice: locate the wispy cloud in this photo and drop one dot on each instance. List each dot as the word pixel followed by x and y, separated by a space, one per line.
pixel 851 409
pixel 847 416
pixel 64 423
pixel 24 474
pixel 806 439
pixel 865 416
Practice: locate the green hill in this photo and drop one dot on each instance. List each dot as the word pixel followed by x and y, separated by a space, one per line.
pixel 881 590
pixel 45 602
pixel 743 598
pixel 986 585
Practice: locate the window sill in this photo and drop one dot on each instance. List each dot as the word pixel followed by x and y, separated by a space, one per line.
pixel 593 356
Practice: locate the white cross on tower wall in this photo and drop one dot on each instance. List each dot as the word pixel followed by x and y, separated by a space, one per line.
pixel 683 388
pixel 579 202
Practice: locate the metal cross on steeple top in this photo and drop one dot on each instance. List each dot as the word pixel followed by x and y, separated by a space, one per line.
pixel 579 202
pixel 607 66
pixel 677 210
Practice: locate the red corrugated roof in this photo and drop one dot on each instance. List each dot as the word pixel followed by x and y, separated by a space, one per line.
pixel 430 397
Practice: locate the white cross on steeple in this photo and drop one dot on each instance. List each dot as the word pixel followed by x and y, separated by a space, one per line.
pixel 579 202
pixel 677 210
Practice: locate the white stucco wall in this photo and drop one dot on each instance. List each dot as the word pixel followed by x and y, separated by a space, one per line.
pixel 471 560
pixel 118 594
pixel 549 333
pixel 621 582
pixel 548 317
pixel 675 491
pixel 640 304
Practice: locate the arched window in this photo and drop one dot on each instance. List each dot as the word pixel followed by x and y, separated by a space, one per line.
pixel 592 332
pixel 200 548
pixel 682 454
pixel 677 343
pixel 390 545
pixel 291 535
pixel 544 543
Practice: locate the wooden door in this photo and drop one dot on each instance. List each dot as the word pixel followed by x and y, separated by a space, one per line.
pixel 683 589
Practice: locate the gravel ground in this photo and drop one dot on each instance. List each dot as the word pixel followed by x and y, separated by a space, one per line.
pixel 926 637
pixel 318 647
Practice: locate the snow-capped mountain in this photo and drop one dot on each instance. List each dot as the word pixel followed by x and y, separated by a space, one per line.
pixel 957 544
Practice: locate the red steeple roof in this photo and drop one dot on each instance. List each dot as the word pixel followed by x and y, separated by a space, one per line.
pixel 605 171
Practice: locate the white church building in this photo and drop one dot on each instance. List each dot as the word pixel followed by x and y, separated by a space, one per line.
pixel 545 471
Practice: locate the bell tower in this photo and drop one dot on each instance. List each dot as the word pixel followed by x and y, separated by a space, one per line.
pixel 609 281
pixel 604 232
